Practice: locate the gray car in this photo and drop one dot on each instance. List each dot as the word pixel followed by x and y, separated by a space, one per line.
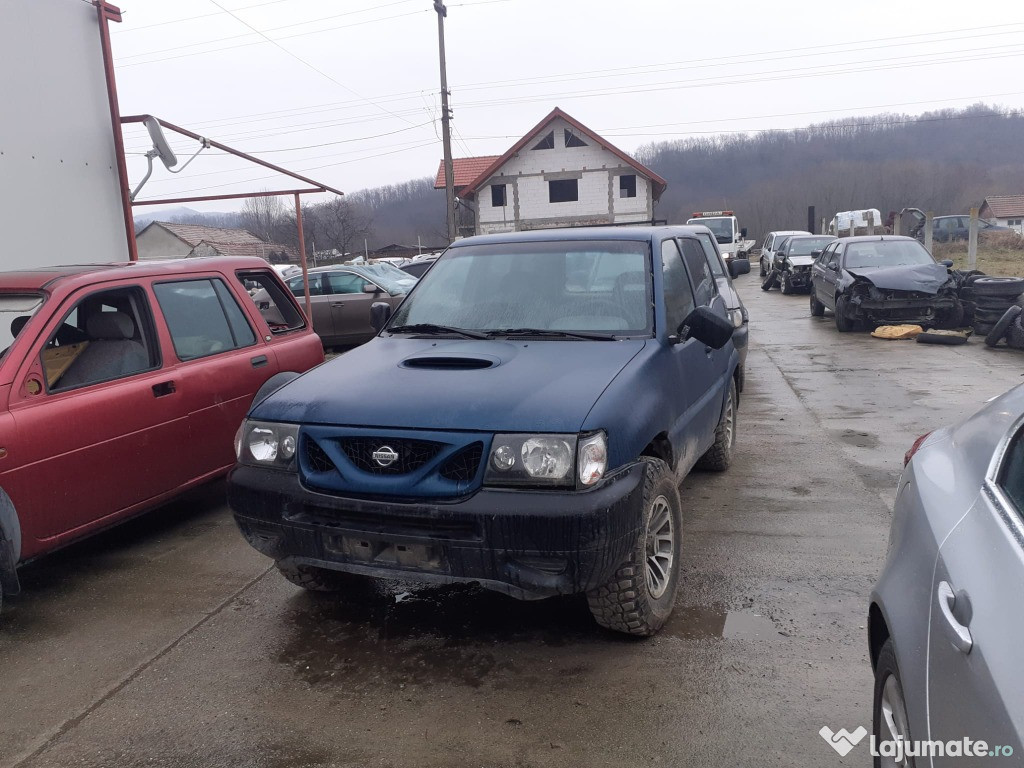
pixel 945 622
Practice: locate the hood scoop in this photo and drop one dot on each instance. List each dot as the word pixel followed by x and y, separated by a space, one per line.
pixel 451 362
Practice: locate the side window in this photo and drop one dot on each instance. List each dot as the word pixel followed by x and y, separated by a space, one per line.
pixel 203 317
pixel 714 261
pixel 826 255
pixel 700 273
pixel 1011 475
pixel 344 282
pixel 277 308
pixel 106 336
pixel 679 301
pixel 297 288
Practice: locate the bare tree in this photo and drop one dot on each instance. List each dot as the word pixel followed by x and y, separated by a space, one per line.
pixel 263 216
pixel 342 224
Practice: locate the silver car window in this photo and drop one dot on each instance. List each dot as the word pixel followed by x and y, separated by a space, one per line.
pixel 1011 475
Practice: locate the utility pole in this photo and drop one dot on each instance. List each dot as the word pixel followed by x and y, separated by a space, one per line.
pixel 446 131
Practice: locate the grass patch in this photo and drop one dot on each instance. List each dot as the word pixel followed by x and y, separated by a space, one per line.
pixel 999 254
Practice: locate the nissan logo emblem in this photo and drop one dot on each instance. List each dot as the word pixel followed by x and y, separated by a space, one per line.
pixel 385 456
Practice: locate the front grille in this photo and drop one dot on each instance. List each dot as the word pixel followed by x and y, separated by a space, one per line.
pixel 462 467
pixel 412 454
pixel 316 458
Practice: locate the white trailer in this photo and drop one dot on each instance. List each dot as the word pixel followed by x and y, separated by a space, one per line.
pixel 61 163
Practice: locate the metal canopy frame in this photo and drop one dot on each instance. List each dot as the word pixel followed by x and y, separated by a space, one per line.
pixel 314 188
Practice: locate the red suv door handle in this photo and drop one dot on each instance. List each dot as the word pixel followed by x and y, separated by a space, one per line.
pixel 163 389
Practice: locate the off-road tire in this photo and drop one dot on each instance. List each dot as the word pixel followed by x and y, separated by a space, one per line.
pixel 817 308
pixel 625 603
pixel 1002 326
pixel 844 323
pixel 884 668
pixel 771 281
pixel 998 286
pixel 787 286
pixel 320 579
pixel 718 457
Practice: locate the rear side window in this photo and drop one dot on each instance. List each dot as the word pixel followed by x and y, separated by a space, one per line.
pixel 700 273
pixel 203 317
pixel 714 262
pixel 678 294
pixel 276 307
pixel 1011 475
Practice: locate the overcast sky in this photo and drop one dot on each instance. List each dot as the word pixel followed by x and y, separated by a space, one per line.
pixel 347 92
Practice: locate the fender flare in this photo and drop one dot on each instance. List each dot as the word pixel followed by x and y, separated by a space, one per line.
pixel 271 385
pixel 10 545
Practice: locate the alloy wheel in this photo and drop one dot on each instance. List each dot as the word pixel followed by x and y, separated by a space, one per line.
pixel 660 548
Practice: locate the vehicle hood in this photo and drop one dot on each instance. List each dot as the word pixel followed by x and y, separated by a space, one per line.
pixel 800 261
pixel 925 278
pixel 542 386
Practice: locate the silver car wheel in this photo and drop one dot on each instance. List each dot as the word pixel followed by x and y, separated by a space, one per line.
pixel 660 548
pixel 729 419
pixel 894 715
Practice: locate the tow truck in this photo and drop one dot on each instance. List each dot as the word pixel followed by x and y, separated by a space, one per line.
pixel 732 239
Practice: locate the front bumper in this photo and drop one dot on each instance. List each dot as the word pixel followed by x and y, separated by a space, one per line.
pixel 526 543
pixel 918 311
pixel 800 278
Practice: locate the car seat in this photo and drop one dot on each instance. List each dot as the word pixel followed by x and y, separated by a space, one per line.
pixel 112 351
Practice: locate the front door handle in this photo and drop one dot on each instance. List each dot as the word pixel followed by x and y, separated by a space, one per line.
pixel 337 303
pixel 163 389
pixel 959 635
pixel 259 361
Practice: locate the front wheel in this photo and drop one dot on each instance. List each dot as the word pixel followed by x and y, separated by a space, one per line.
pixel 787 284
pixel 639 597
pixel 844 323
pixel 890 721
pixel 764 272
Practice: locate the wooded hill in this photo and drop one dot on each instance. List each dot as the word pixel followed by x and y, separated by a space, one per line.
pixel 945 162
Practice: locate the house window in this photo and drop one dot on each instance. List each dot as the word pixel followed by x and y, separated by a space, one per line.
pixel 1014 222
pixel 548 142
pixel 563 191
pixel 498 195
pixel 572 140
pixel 627 185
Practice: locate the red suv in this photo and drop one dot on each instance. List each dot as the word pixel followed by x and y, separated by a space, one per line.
pixel 122 385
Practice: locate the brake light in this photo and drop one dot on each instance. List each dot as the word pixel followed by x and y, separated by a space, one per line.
pixel 915 448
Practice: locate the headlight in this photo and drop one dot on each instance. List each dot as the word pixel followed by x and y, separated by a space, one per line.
pixel 267 444
pixel 561 461
pixel 736 316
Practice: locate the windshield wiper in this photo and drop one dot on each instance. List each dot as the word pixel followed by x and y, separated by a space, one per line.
pixel 552 334
pixel 431 329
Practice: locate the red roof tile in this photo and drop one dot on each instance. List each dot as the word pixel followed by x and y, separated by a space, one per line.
pixel 1006 206
pixel 465 170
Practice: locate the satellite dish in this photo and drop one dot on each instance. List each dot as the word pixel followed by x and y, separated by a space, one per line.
pixel 163 149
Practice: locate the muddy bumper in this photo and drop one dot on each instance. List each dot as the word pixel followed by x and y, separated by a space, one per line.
pixel 526 543
pixel 920 311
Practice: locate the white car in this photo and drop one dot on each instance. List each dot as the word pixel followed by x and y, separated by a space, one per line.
pixel 286 270
pixel 771 244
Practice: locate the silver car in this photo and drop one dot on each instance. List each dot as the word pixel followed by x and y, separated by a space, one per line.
pixel 946 620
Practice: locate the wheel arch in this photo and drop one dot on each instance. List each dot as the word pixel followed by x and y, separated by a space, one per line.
pixel 10 544
pixel 660 447
pixel 878 632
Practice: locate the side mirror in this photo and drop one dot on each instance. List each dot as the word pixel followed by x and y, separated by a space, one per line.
pixel 380 313
pixel 370 288
pixel 739 267
pixel 833 265
pixel 704 325
pixel 948 263
pixel 815 254
pixel 743 233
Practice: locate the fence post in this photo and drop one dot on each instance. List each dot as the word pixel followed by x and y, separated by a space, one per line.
pixel 897 223
pixel 871 223
pixel 823 226
pixel 853 225
pixel 972 240
pixel 928 217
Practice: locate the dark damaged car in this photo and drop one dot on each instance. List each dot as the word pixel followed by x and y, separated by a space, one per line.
pixel 881 280
pixel 566 381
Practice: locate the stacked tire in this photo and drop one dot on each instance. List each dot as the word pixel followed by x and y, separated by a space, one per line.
pixel 1009 327
pixel 992 297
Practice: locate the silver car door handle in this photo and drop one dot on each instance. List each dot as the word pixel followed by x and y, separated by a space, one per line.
pixel 959 635
pixel 337 303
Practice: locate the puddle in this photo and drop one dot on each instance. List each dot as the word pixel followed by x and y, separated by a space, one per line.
pixel 406 634
pixel 704 623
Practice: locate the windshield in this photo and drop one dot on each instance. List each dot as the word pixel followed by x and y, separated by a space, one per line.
pixel 886 253
pixel 15 311
pixel 390 278
pixel 806 246
pixel 552 286
pixel 721 227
